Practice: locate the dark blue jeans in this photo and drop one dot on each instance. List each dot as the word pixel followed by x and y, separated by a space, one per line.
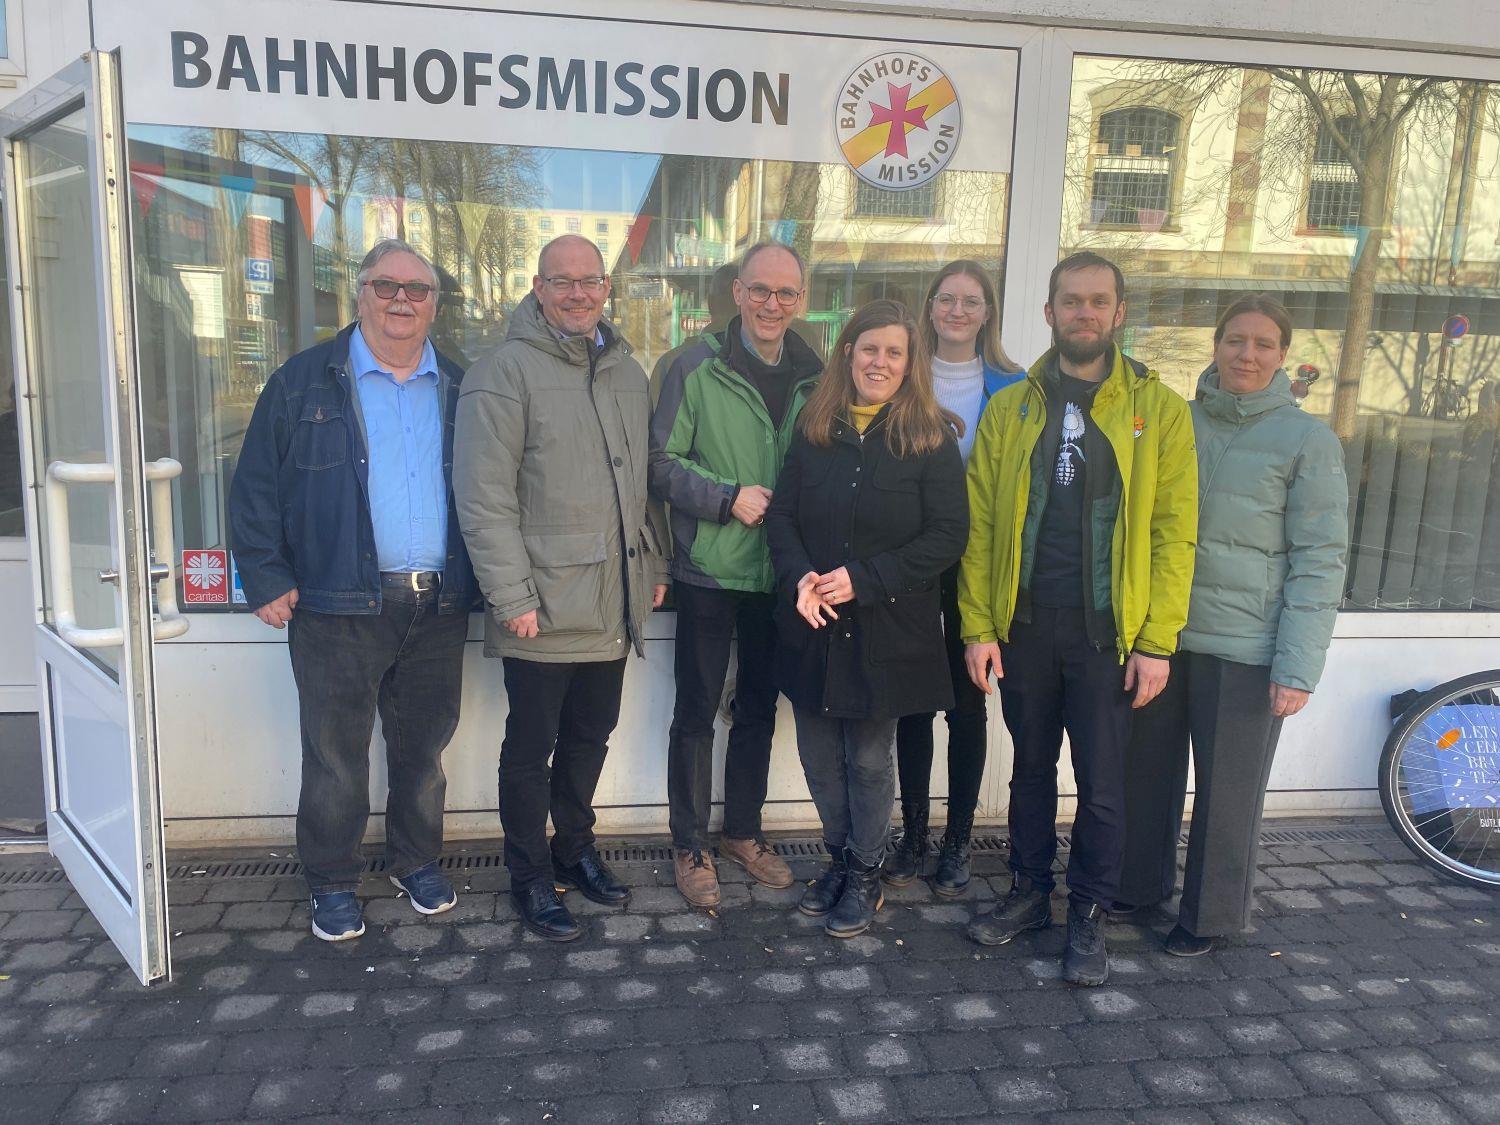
pixel 1055 680
pixel 406 663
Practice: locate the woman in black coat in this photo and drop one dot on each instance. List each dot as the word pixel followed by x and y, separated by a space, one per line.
pixel 869 510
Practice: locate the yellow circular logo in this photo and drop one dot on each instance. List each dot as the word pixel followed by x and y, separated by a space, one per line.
pixel 898 120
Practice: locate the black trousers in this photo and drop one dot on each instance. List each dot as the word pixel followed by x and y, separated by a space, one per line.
pixel 1055 680
pixel 1224 709
pixel 966 722
pixel 556 737
pixel 708 621
pixel 406 663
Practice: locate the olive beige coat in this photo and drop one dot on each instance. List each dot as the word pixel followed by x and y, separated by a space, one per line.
pixel 549 475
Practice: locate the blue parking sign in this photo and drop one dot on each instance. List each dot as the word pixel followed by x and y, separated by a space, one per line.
pixel 260 275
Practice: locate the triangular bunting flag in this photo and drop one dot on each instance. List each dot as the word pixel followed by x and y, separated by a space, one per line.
pixel 145 182
pixel 312 199
pixel 237 192
pixel 472 217
pixel 637 238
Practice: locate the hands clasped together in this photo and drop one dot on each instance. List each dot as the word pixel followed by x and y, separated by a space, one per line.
pixel 817 594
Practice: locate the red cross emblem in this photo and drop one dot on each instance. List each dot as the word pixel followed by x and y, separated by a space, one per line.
pixel 898 115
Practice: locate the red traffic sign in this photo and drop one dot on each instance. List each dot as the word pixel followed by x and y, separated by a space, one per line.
pixel 1456 326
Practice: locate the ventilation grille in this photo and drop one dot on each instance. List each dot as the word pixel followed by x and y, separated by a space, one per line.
pixel 624 852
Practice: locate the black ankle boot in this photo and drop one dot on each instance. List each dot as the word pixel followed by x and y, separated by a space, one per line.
pixel 856 908
pixel 826 890
pixel 952 877
pixel 905 863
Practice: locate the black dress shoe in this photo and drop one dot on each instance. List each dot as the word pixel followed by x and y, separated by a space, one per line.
pixel 824 892
pixel 1125 912
pixel 591 879
pixel 543 913
pixel 1180 943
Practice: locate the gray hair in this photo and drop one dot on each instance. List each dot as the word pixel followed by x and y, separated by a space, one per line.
pixel 384 249
pixel 770 244
pixel 541 258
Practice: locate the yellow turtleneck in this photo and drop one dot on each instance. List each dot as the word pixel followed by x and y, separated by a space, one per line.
pixel 862 416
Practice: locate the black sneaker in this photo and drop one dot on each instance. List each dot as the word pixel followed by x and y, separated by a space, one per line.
pixel 1085 960
pixel 1025 908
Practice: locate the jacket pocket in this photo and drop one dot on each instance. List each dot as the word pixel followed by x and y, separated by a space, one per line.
pixel 906 628
pixel 321 439
pixel 569 569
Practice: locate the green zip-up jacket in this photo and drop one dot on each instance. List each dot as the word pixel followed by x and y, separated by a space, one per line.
pixel 1273 531
pixel 1142 532
pixel 711 434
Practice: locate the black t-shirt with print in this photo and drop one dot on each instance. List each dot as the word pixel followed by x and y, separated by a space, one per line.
pixel 1057 571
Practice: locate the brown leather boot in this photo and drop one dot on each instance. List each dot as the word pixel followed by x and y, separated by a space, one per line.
pixel 755 856
pixel 696 877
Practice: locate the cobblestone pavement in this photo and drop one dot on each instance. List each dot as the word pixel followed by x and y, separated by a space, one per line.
pixel 1368 993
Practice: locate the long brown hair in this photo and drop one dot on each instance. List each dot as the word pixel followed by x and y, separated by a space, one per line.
pixel 915 424
pixel 988 342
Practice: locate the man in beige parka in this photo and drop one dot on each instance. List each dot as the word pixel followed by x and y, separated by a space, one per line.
pixel 549 475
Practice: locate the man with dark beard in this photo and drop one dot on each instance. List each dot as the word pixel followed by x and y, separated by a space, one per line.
pixel 1083 500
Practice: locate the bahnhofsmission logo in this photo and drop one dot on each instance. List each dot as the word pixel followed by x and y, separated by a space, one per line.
pixel 898 120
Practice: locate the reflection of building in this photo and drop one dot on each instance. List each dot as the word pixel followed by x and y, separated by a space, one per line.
pixel 1208 181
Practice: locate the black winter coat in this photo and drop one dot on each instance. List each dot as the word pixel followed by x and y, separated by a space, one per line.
pixel 896 525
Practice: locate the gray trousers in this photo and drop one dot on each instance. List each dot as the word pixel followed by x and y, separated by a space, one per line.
pixel 1224 708
pixel 852 777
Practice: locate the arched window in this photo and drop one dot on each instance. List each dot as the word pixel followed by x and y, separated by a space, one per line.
pixel 1333 190
pixel 1135 154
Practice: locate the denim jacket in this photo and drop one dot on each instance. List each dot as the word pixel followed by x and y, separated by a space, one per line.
pixel 299 503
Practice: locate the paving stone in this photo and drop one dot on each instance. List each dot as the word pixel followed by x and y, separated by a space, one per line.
pixel 687 1107
pixel 934 1097
pixel 1416 1109
pixel 1258 1076
pixel 1022 1093
pixel 1404 1067
pixel 256 916
pixel 1172 1080
pixel 1326 1072
pixel 1096 1086
pixel 121 1101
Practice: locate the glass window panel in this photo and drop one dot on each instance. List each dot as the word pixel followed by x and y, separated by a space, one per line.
pixel 65 362
pixel 12 520
pixel 1370 205
pixel 209 204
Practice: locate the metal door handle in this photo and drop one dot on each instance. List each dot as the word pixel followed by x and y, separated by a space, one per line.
pixel 168 621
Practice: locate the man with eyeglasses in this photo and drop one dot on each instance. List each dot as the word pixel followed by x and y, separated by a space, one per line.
pixel 723 421
pixel 343 528
pixel 550 473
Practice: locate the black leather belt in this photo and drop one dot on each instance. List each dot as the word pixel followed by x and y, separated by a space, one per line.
pixel 419 581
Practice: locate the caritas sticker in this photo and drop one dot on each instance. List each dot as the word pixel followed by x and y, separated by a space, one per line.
pixel 205 577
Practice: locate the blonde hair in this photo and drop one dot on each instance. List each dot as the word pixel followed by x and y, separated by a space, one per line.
pixel 916 424
pixel 988 342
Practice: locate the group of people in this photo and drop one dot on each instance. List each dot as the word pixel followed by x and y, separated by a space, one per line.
pixel 879 538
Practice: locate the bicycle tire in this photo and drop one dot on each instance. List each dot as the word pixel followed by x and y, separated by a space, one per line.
pixel 1479 825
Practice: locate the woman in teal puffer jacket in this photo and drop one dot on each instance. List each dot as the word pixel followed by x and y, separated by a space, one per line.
pixel 1273 533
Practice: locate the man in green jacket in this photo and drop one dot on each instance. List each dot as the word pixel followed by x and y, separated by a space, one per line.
pixel 549 476
pixel 1083 512
pixel 724 417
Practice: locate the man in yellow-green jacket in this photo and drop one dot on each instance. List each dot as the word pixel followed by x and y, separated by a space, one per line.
pixel 1083 515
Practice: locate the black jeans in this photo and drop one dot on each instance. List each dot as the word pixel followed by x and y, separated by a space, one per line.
pixel 407 663
pixel 966 724
pixel 1055 680
pixel 848 767
pixel 562 714
pixel 707 622
pixel 1225 708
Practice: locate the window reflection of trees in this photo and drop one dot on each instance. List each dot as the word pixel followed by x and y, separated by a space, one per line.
pixel 1360 200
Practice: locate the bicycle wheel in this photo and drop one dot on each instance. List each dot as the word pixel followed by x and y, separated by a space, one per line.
pixel 1440 778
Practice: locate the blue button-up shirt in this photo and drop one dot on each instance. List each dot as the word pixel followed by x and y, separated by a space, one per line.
pixel 403 424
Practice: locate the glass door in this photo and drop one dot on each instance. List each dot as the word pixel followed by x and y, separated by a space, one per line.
pixel 101 514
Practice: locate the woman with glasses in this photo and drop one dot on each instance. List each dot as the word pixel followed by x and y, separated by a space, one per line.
pixel 961 328
pixel 869 510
